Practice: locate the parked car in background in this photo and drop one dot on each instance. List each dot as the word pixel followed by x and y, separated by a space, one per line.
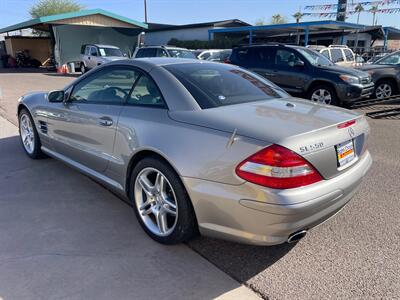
pixel 338 54
pixel 305 72
pixel 220 56
pixel 163 51
pixel 385 72
pixel 93 55
pixel 204 55
pixel 376 57
pixel 199 146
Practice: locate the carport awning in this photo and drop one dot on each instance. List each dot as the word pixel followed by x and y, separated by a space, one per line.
pixel 92 17
pixel 288 28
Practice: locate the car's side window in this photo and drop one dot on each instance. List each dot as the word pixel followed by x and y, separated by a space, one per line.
pixel 285 58
pixel 87 50
pixel 325 53
pixel 145 92
pixel 349 55
pixel 337 55
pixel 390 60
pixel 107 86
pixel 161 53
pixel 93 51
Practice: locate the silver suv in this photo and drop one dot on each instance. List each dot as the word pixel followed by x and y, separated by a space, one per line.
pixel 163 51
pixel 93 55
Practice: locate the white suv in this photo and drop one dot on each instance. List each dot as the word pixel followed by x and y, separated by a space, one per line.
pixel 338 54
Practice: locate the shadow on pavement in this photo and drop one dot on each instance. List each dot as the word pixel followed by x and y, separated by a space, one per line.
pixel 242 262
pixel 64 236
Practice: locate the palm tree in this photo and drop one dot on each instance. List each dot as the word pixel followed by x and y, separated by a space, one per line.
pixel 374 10
pixel 358 9
pixel 298 16
pixel 278 19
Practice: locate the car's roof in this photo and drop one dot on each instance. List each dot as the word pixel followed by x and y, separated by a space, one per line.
pixel 165 47
pixel 102 46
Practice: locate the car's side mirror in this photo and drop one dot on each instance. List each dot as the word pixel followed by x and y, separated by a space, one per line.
pixel 56 96
pixel 299 63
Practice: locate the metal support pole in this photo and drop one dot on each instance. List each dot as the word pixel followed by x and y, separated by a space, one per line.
pixel 145 11
pixel 306 36
pixel 250 37
pixel 385 39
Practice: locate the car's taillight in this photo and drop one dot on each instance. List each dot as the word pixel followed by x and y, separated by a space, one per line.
pixel 279 168
pixel 227 61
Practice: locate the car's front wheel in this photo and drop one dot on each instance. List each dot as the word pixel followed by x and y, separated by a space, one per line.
pixel 161 203
pixel 29 135
pixel 323 94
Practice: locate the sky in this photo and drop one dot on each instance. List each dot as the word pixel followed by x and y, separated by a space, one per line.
pixel 192 11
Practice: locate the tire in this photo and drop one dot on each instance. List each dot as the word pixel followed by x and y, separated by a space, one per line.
pixel 323 90
pixel 384 89
pixel 83 68
pixel 177 228
pixel 29 134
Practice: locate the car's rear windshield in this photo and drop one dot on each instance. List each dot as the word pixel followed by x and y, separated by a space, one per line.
pixel 181 53
pixel 110 52
pixel 213 85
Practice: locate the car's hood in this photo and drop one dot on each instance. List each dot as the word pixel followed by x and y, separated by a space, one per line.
pixel 271 120
pixel 347 71
pixel 373 67
pixel 113 58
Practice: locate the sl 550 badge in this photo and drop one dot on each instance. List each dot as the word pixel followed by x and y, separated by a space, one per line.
pixel 311 147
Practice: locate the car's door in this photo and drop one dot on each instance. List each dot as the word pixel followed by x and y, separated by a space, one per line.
pixel 83 128
pixel 260 61
pixel 287 72
pixel 93 55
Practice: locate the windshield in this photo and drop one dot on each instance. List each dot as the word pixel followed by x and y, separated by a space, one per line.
pixel 213 85
pixel 220 55
pixel 393 59
pixel 181 53
pixel 110 52
pixel 315 58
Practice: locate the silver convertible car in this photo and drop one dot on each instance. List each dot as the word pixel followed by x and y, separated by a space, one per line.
pixel 202 147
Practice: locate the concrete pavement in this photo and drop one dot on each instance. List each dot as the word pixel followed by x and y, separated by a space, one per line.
pixel 63 236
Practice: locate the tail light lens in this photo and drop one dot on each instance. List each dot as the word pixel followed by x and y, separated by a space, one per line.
pixel 227 61
pixel 279 168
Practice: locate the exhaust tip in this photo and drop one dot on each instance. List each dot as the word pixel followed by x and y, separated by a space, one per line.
pixel 297 236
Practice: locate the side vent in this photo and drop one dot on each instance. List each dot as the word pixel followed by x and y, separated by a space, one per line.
pixel 43 127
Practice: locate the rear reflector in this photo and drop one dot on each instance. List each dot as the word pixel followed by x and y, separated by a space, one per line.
pixel 279 168
pixel 346 124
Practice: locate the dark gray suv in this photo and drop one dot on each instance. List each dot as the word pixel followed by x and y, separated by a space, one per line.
pixel 304 72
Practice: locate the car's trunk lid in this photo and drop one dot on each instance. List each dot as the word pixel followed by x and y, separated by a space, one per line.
pixel 306 128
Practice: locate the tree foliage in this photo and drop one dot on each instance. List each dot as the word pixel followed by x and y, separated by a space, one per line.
pixel 52 7
pixel 298 16
pixel 260 22
pixel 278 19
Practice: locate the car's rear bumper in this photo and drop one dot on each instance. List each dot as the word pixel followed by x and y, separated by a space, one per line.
pixel 255 215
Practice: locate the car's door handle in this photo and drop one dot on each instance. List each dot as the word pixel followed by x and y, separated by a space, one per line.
pixel 105 121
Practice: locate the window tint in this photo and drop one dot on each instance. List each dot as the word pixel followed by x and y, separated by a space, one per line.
pixel 349 55
pixel 217 85
pixel 393 59
pixel 325 53
pixel 262 56
pixel 161 53
pixel 336 55
pixel 243 54
pixel 146 92
pixel 285 58
pixel 108 86
pixel 87 50
pixel 181 53
pixel 146 52
pixel 93 51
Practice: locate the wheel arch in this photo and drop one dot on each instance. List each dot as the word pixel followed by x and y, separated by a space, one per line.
pixel 320 82
pixel 22 106
pixel 136 157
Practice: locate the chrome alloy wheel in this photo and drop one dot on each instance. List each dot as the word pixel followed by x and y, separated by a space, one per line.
pixel 156 201
pixel 27 133
pixel 322 96
pixel 383 90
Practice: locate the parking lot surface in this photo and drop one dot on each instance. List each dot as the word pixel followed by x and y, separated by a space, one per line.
pixel 60 230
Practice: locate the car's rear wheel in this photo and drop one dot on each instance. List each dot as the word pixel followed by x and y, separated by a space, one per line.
pixel 323 94
pixel 161 203
pixel 29 135
pixel 384 89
